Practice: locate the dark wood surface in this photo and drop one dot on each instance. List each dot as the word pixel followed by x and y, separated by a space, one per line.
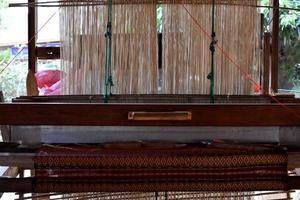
pixel 31 37
pixel 161 98
pixel 294 182
pixel 274 17
pixel 26 185
pixel 266 69
pixel 4 129
pixel 16 185
pixel 117 114
pixel 48 52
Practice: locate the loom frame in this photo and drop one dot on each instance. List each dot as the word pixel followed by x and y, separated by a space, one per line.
pixel 117 114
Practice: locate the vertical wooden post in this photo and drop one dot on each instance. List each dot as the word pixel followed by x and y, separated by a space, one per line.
pixel 266 67
pixel 31 84
pixel 4 129
pixel 32 58
pixel 274 16
pixel 21 174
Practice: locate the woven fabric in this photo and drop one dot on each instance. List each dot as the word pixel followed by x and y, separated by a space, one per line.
pixel 93 169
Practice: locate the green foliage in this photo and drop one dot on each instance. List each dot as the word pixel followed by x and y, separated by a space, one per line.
pixel 12 79
pixel 289 38
pixel 290 62
pixel 5 56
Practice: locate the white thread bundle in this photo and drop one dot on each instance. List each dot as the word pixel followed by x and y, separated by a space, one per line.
pixel 186 56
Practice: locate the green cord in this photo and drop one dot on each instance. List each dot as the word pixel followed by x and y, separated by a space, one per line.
pixel 108 60
pixel 211 75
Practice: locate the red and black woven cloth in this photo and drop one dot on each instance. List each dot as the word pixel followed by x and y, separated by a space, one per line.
pixel 174 168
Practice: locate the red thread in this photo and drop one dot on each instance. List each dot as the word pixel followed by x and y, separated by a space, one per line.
pixel 248 76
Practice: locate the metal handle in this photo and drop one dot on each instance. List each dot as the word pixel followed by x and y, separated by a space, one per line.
pixel 148 116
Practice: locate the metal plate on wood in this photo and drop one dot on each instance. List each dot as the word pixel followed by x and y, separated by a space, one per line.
pixel 159 116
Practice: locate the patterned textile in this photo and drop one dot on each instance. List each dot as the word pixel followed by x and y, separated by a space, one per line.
pixel 182 168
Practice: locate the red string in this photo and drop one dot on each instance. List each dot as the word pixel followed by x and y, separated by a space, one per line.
pixel 248 76
pixel 30 40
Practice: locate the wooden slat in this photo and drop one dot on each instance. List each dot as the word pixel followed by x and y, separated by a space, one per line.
pixel 4 129
pixel 48 52
pixel 31 37
pixel 266 71
pixel 26 185
pixel 293 160
pixel 294 182
pixel 117 114
pixel 11 172
pixel 274 16
pixel 22 160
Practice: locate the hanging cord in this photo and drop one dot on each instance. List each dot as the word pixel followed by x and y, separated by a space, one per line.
pixel 231 60
pixel 211 75
pixel 108 60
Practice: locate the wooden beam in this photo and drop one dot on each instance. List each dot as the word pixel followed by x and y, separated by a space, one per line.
pixel 266 69
pixel 274 17
pixel 24 185
pixel 117 114
pixel 27 185
pixel 11 172
pixel 32 58
pixel 21 160
pixel 4 129
pixel 21 172
pixel 293 160
pixel 294 182
pixel 48 52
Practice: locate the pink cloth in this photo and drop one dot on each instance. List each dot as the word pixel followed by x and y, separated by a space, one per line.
pixel 47 77
pixel 48 82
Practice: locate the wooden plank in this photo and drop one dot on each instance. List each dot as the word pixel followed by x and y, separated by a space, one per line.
pixel 294 182
pixel 266 70
pixel 22 160
pixel 48 52
pixel 37 135
pixel 293 160
pixel 11 172
pixel 31 38
pixel 117 114
pixel 24 185
pixel 150 98
pixel 21 194
pixel 274 16
pixel 27 185
pixel 4 129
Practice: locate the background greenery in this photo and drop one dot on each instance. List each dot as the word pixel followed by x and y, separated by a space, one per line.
pixel 289 41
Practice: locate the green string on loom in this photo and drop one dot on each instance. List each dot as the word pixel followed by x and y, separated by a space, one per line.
pixel 211 75
pixel 108 58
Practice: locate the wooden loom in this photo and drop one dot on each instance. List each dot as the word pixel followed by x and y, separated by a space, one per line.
pixel 138 125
